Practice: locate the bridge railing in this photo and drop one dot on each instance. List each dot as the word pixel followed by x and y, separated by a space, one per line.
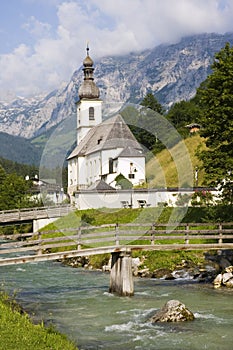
pixel 34 213
pixel 187 236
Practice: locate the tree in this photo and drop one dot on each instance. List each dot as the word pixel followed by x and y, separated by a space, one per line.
pixel 2 175
pixel 14 193
pixel 151 102
pixel 215 97
pixel 183 113
pixel 143 125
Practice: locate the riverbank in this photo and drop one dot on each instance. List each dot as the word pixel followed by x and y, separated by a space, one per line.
pixel 198 265
pixel 19 333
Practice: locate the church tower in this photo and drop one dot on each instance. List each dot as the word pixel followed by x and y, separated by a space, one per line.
pixel 89 107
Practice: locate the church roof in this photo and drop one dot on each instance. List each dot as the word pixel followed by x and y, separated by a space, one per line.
pixel 131 152
pixel 112 133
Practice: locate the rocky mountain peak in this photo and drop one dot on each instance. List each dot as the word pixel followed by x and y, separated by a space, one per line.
pixel 172 72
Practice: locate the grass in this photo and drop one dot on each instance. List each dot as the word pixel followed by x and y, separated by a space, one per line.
pixel 162 169
pixel 170 260
pixel 17 332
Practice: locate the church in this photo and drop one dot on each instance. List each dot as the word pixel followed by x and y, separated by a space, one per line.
pixel 105 149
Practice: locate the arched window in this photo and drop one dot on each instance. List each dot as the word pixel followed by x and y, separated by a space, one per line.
pixel 91 113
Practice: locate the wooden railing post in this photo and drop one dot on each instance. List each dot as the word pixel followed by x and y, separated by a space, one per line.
pixel 220 233
pixel 187 234
pixel 40 251
pixel 79 238
pixel 117 234
pixel 153 235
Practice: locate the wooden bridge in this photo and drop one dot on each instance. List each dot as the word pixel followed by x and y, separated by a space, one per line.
pixel 119 240
pixel 33 214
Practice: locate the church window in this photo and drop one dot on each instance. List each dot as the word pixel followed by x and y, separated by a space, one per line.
pixel 91 113
pixel 110 162
pixel 131 176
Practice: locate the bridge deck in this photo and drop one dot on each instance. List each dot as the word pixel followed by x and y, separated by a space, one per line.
pixel 111 249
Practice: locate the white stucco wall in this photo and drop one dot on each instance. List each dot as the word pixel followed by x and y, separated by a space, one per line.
pixel 83 122
pixel 133 169
pixel 114 199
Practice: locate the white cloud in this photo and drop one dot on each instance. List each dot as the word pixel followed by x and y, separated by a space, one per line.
pixel 113 27
pixel 37 28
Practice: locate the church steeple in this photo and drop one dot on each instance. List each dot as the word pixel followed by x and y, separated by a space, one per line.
pixel 88 88
pixel 89 107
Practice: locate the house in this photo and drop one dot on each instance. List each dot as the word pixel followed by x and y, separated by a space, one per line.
pixel 47 190
pixel 194 127
pixel 105 149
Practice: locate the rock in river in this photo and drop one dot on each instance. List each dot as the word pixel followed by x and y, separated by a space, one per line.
pixel 173 311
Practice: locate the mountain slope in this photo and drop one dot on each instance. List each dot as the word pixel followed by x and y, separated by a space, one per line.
pixel 19 149
pixel 171 72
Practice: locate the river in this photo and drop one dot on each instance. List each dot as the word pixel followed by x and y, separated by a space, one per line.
pixel 77 302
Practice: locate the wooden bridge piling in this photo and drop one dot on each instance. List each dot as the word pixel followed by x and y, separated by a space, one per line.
pixel 121 277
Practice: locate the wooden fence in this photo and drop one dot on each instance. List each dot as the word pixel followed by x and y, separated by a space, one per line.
pixel 89 240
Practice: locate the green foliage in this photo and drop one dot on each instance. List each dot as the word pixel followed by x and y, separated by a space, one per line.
pixel 170 260
pixel 124 183
pixel 183 113
pixel 20 169
pixel 2 175
pixel 215 97
pixel 97 261
pixel 151 102
pixel 87 219
pixel 202 198
pixel 14 193
pixel 143 124
pixel 18 332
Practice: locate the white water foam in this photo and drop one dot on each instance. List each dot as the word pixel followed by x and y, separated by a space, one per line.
pixel 209 317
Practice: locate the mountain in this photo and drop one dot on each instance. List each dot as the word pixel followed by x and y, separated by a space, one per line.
pixel 172 72
pixel 19 149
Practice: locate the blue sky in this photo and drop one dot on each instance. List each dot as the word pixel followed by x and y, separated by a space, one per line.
pixel 42 42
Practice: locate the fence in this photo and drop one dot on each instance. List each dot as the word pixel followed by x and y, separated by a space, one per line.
pixel 186 236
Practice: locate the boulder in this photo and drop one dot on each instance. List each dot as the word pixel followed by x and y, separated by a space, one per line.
pixel 218 281
pixel 144 273
pixel 226 277
pixel 163 273
pixel 229 283
pixel 229 269
pixel 173 311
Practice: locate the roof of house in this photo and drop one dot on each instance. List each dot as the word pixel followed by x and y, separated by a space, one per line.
pixel 112 133
pixel 101 185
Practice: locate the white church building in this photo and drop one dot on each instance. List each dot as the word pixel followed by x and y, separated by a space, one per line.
pixel 105 149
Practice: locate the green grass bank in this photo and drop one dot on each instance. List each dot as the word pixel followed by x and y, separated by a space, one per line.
pixel 17 332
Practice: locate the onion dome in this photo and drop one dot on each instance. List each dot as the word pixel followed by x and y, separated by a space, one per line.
pixel 88 88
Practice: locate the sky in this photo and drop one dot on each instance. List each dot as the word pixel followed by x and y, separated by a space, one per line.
pixel 42 42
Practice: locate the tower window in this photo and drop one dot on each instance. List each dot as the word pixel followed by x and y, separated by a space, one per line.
pixel 91 113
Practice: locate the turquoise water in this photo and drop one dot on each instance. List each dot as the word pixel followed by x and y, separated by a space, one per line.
pixel 77 302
